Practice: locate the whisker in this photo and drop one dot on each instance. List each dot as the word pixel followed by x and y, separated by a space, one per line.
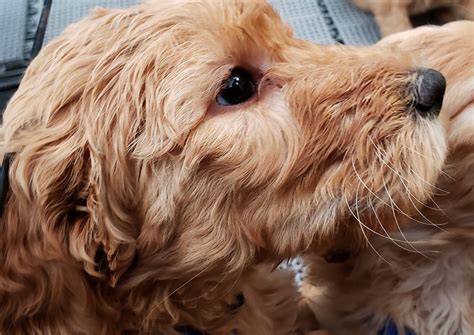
pixel 430 184
pixel 430 197
pixel 237 278
pixel 405 186
pixel 430 223
pixel 383 159
pixel 412 250
pixel 401 232
pixel 176 290
pixel 431 159
pixel 361 225
pixel 389 204
pixel 382 201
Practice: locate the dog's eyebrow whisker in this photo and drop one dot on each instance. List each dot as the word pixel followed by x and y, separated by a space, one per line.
pixel 361 226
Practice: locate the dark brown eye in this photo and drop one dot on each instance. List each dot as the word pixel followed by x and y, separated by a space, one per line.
pixel 238 88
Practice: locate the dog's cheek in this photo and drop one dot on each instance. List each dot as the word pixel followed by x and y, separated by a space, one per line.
pixel 250 147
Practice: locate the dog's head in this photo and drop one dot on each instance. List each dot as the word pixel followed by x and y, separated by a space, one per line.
pixel 205 136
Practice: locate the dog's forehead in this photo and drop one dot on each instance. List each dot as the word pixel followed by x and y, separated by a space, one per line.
pixel 219 32
pixel 254 19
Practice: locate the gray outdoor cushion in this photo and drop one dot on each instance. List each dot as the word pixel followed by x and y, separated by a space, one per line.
pixel 314 20
pixel 64 12
pixel 12 29
pixel 320 21
pixel 328 21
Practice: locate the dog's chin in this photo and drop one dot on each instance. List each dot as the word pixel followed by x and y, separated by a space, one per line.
pixel 386 193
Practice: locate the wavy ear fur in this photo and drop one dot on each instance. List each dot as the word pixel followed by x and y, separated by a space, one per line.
pixel 81 146
pixel 63 183
pixel 57 221
pixel 82 197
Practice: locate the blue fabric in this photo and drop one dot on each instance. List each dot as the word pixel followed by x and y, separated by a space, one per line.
pixel 391 329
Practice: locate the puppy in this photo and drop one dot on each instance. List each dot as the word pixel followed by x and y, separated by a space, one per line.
pixel 420 279
pixel 393 16
pixel 161 154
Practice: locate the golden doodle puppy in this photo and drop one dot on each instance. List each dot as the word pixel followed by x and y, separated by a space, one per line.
pixel 420 279
pixel 160 154
pixel 393 16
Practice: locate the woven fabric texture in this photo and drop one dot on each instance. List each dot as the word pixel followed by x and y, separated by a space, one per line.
pixel 320 21
pixel 328 21
pixel 12 29
pixel 64 12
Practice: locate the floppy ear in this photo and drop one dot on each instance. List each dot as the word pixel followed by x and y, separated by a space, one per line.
pixel 72 124
pixel 77 124
pixel 104 227
pixel 71 197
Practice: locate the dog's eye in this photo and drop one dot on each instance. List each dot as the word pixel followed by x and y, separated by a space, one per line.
pixel 239 87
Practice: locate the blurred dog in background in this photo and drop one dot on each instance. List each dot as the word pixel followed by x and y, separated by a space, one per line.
pixel 393 16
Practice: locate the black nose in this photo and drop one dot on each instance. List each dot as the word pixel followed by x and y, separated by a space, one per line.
pixel 428 93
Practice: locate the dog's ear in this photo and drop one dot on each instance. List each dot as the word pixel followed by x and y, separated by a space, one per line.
pixel 104 224
pixel 67 192
pixel 88 113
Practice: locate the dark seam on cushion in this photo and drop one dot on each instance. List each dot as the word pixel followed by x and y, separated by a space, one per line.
pixel 328 20
pixel 41 31
pixel 33 13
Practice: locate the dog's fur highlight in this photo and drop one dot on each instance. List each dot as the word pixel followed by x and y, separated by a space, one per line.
pixel 137 203
pixel 423 277
pixel 393 16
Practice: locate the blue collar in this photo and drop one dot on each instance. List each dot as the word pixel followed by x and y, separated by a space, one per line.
pixel 390 328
